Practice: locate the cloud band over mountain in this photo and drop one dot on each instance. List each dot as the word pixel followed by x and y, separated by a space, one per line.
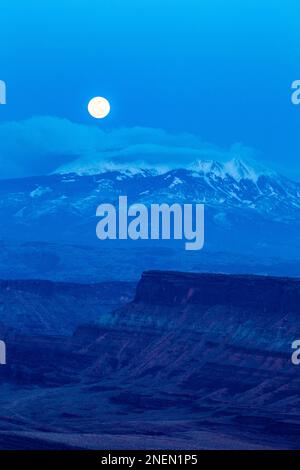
pixel 42 145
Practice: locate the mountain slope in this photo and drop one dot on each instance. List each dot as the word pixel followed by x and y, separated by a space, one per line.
pixel 43 307
pixel 248 212
pixel 222 186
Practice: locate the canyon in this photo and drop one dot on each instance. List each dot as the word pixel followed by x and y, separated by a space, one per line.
pixel 190 361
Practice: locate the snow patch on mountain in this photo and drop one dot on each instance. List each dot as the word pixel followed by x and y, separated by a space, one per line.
pixel 175 182
pixel 39 191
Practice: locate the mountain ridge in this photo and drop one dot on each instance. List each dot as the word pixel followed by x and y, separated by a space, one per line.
pixel 253 215
pixel 232 184
pixel 236 167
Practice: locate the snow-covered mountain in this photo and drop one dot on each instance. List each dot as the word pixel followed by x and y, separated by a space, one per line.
pixel 234 182
pixel 235 168
pixel 220 185
pixel 246 208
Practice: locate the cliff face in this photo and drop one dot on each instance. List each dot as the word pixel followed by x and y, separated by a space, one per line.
pixel 251 311
pixel 270 294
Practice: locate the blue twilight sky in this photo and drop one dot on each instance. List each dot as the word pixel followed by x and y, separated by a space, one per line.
pixel 217 70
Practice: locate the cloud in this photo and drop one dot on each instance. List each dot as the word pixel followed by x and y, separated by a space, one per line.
pixel 43 145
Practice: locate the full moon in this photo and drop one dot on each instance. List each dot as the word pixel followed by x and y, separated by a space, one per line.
pixel 99 107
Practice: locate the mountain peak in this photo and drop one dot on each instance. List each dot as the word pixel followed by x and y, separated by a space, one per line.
pixel 239 170
pixel 235 168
